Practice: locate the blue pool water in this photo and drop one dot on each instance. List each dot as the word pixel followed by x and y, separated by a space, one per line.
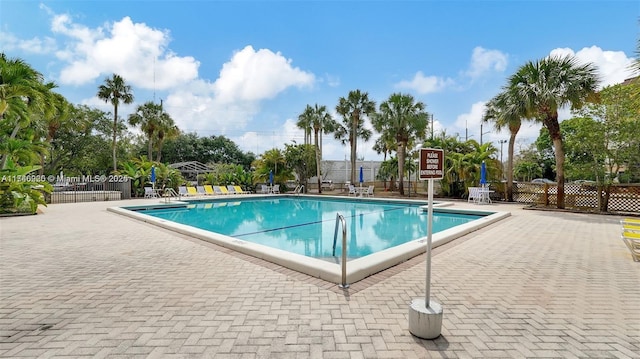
pixel 306 226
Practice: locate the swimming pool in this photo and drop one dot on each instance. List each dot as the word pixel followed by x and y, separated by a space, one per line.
pixel 306 226
pixel 298 231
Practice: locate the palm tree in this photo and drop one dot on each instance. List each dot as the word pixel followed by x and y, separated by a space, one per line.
pixel 405 120
pixel 317 119
pixel 147 116
pixel 353 109
pixel 115 90
pixel 166 130
pixel 540 88
pixel 304 123
pixel 500 110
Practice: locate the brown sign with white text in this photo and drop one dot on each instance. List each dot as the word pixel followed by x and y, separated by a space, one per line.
pixel 431 163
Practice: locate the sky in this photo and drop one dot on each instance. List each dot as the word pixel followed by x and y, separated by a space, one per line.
pixel 247 69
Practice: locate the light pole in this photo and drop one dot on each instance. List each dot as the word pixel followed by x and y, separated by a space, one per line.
pixel 482 133
pixel 502 142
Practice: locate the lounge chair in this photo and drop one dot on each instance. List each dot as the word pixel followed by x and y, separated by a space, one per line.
pixel 632 240
pixel 275 188
pixel 192 191
pixel 264 189
pixel 209 190
pixel 201 191
pixel 220 190
pixel 150 193
pixel 239 190
pixel 352 190
pixel 182 191
pixel 231 189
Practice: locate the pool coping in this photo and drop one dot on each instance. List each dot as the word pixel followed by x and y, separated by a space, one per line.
pixel 357 269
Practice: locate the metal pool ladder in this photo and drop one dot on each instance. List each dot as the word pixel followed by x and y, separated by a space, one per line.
pixel 340 220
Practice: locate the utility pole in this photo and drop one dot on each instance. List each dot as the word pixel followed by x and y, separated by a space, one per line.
pixel 502 142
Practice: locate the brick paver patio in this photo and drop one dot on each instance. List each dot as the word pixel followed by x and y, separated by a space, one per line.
pixel 79 281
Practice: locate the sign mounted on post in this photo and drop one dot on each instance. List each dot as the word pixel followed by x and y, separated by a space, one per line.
pixel 431 163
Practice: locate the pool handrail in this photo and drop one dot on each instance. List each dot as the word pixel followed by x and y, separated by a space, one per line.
pixel 340 220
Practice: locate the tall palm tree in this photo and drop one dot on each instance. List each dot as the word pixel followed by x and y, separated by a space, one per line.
pixel 304 123
pixel 353 109
pixel 316 119
pixel 115 91
pixel 406 121
pixel 500 110
pixel 147 116
pixel 540 88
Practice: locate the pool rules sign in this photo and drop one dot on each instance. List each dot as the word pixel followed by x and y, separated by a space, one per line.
pixel 425 314
pixel 431 163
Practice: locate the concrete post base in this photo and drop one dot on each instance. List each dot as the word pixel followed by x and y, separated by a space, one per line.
pixel 425 323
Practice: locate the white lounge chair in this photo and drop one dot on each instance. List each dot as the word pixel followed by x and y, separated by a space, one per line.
pixel 231 189
pixel 264 189
pixel 352 190
pixel 275 189
pixel 182 191
pixel 201 191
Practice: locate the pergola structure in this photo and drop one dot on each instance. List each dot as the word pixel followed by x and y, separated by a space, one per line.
pixel 191 169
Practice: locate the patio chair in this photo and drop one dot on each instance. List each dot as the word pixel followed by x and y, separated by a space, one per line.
pixel 149 192
pixel 231 189
pixel 182 191
pixel 264 189
pixel 352 190
pixel 192 191
pixel 370 191
pixel 474 195
pixel 276 188
pixel 201 191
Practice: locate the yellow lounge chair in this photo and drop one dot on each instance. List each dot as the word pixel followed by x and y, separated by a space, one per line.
pixel 632 240
pixel 192 191
pixel 209 190
pixel 224 190
pixel 239 190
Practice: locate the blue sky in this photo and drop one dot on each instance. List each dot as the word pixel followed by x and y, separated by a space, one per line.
pixel 247 69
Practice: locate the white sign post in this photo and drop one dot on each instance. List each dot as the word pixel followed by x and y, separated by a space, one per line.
pixel 425 315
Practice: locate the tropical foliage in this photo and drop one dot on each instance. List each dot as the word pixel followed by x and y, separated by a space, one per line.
pixel 539 89
pixel 405 121
pixel 354 109
pixel 318 120
pixel 115 91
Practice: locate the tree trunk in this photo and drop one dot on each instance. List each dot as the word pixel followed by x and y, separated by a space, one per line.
pixel 315 135
pixel 554 132
pixel 401 168
pixel 115 131
pixel 150 149
pixel 512 142
pixel 353 138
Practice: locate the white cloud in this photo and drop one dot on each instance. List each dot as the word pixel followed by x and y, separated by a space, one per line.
pixel 35 45
pixel 613 66
pixel 425 84
pixel 256 75
pixel 229 104
pixel 483 61
pixel 468 124
pixel 133 50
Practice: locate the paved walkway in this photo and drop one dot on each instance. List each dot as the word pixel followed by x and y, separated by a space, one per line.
pixel 79 281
